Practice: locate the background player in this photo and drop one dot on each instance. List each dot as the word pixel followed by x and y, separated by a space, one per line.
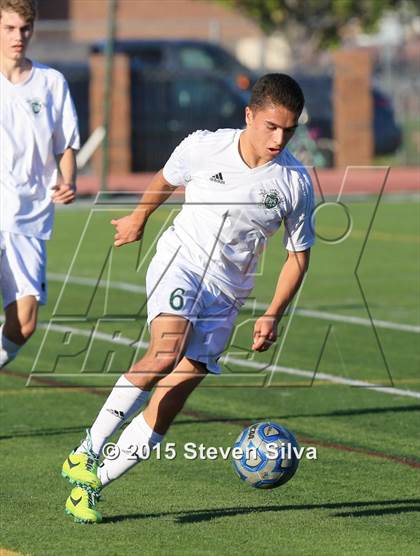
pixel 240 186
pixel 38 129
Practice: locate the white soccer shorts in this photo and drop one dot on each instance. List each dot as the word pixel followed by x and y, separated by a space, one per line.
pixel 22 268
pixel 176 290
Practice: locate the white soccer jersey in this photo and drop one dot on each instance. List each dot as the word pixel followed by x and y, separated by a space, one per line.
pixel 37 122
pixel 231 210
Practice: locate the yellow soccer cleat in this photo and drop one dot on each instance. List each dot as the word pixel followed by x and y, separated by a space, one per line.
pixel 81 469
pixel 81 505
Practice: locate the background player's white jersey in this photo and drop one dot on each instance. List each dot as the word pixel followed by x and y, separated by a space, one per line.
pixel 231 210
pixel 37 122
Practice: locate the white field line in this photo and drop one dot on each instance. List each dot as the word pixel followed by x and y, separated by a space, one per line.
pixel 250 364
pixel 322 315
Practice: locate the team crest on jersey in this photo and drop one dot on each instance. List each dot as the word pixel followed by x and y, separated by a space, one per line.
pixel 36 105
pixel 271 199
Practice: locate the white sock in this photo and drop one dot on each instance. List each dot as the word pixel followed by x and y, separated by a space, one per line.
pixel 8 349
pixel 134 444
pixel 124 400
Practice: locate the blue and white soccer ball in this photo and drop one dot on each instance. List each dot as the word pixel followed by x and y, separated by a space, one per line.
pixel 269 457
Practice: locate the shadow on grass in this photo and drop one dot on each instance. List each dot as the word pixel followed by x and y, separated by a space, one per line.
pixel 240 420
pixel 379 511
pixel 338 413
pixel 385 507
pixel 44 432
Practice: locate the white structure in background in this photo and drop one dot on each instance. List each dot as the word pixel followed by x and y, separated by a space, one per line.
pixel 391 32
pixel 266 53
pixel 88 149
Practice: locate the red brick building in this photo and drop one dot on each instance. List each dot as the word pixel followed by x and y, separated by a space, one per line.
pixel 198 19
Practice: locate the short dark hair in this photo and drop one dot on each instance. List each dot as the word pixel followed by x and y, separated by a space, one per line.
pixel 277 88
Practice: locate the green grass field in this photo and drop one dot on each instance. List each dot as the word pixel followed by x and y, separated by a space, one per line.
pixel 361 494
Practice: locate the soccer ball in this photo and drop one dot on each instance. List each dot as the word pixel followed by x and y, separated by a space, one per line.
pixel 264 455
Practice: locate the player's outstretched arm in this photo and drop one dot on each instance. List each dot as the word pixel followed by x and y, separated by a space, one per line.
pixel 65 192
pixel 130 228
pixel 291 276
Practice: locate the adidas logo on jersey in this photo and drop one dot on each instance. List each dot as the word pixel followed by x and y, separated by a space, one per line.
pixel 218 178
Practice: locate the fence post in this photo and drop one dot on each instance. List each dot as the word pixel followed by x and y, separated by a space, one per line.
pixel 353 108
pixel 120 110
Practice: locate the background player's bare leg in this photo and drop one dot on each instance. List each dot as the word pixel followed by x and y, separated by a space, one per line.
pixel 19 325
pixel 20 319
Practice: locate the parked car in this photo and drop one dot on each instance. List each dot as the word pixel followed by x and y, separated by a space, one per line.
pixel 175 56
pixel 180 86
pixel 167 107
pixel 318 91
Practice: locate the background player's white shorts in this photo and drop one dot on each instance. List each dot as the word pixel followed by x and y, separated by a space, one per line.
pixel 22 268
pixel 178 291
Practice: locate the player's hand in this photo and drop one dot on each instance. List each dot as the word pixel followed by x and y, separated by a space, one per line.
pixel 64 194
pixel 127 230
pixel 265 333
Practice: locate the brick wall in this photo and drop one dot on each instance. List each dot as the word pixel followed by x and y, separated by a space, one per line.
pixel 120 118
pixel 197 19
pixel 353 110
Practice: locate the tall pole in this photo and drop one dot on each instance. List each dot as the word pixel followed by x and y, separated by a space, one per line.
pixel 109 55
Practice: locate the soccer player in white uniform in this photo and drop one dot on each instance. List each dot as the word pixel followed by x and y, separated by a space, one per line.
pixel 240 186
pixel 38 129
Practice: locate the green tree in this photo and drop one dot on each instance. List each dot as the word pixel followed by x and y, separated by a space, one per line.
pixel 323 21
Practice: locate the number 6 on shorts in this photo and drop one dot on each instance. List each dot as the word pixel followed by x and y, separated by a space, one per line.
pixel 176 300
